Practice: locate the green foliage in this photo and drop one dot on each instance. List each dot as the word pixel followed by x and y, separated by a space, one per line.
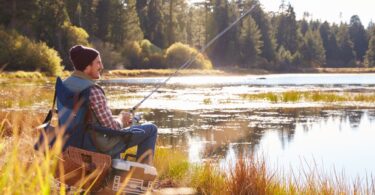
pixel 358 36
pixel 250 43
pixel 268 50
pixel 370 54
pixel 178 54
pixel 20 53
pixel 74 35
pixel 312 50
pixel 152 56
pixel 286 32
pixel 347 54
pixel 208 180
pixel 155 24
pixel 331 48
pixel 132 51
pixel 171 164
pixel 148 48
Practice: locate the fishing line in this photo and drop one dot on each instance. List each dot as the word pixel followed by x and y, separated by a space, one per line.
pixel 191 60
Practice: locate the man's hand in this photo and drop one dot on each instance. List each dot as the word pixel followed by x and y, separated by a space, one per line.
pixel 126 118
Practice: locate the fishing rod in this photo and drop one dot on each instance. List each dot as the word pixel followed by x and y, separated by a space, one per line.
pixel 191 60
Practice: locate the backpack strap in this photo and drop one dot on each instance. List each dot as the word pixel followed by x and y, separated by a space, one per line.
pixel 49 116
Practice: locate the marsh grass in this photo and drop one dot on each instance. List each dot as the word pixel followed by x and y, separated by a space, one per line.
pixel 160 72
pixel 313 96
pixel 23 96
pixel 23 170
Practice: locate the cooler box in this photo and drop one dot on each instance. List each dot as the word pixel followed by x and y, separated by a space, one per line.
pixel 129 177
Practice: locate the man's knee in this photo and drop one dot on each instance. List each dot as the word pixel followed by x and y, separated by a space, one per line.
pixel 154 129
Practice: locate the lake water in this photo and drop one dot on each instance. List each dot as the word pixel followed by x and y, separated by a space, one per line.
pixel 206 117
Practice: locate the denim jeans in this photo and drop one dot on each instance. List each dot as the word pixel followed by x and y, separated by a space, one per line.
pixel 144 137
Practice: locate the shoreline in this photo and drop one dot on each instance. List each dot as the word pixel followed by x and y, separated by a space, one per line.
pixel 108 74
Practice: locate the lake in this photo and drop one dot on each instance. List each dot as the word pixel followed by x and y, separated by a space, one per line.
pixel 207 118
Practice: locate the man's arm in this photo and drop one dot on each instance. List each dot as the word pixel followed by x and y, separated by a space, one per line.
pixel 98 103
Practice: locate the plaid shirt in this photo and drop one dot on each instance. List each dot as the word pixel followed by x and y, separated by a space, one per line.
pixel 98 103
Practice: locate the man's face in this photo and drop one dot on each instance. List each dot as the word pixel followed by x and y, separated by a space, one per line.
pixel 94 69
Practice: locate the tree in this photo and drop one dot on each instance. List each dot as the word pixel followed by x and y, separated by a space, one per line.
pixel 250 42
pixel 220 22
pixel 88 17
pixel 370 54
pixel 51 20
pixel 358 36
pixel 286 34
pixel 103 14
pixel 312 50
pixel 133 31
pixel 141 7
pixel 268 50
pixel 19 15
pixel 347 54
pixel 155 29
pixel 176 19
pixel 330 45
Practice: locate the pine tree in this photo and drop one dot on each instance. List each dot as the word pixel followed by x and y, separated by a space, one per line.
pixel 19 15
pixel 88 17
pixel 370 54
pixel 330 45
pixel 155 29
pixel 268 50
pixel 312 50
pixel 220 22
pixel 358 36
pixel 347 54
pixel 175 16
pixel 133 31
pixel 250 42
pixel 286 34
pixel 103 14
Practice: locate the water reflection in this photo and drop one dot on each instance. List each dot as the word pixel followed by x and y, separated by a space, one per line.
pixel 337 138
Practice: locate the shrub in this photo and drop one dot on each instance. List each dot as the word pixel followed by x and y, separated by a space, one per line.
pixel 148 48
pixel 21 53
pixel 151 56
pixel 178 54
pixel 132 51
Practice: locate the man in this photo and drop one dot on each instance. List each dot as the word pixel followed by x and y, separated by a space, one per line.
pixel 88 67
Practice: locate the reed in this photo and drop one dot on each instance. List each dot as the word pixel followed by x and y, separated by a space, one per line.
pixel 160 72
pixel 311 96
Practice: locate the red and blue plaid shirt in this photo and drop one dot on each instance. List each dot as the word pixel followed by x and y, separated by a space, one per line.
pixel 98 103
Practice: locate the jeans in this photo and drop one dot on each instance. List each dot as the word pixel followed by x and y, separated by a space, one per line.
pixel 144 137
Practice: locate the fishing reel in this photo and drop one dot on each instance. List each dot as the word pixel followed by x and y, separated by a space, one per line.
pixel 136 118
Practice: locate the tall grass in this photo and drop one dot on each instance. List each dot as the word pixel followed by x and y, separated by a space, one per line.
pixel 161 72
pixel 23 170
pixel 313 96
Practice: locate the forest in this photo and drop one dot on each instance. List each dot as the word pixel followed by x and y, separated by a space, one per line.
pixel 35 35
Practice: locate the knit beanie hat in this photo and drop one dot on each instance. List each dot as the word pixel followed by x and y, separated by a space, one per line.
pixel 82 56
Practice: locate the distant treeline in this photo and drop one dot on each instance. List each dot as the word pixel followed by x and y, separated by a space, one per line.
pixel 36 35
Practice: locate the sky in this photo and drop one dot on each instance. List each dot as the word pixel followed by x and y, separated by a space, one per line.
pixel 327 10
